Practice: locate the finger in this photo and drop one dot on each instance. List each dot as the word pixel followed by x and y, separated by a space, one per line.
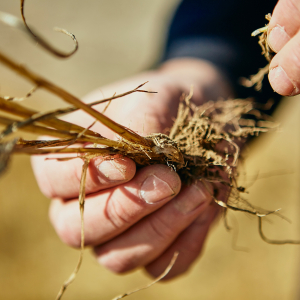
pixel 148 239
pixel 189 244
pixel 112 211
pixel 62 178
pixel 284 24
pixel 284 75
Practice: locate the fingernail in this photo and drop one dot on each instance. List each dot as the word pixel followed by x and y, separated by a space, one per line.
pixel 277 38
pixel 194 196
pixel 154 189
pixel 111 170
pixel 281 83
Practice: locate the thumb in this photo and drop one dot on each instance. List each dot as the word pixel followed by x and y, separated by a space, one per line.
pixel 284 75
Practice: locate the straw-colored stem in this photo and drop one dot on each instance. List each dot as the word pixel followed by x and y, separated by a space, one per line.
pixel 19 110
pixel 41 82
pixel 97 151
pixel 36 129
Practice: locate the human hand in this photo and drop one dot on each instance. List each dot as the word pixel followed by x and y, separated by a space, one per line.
pixel 132 217
pixel 284 39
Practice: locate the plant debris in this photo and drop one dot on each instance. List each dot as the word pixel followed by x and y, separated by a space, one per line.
pixel 256 79
pixel 203 144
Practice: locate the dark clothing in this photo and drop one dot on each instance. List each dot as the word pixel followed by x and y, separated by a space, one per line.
pixel 220 31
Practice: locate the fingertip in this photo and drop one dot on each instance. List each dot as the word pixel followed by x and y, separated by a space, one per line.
pixel 157 183
pixel 281 83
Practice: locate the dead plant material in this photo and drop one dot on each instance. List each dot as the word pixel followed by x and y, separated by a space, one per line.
pixel 256 79
pixel 263 40
pixel 203 144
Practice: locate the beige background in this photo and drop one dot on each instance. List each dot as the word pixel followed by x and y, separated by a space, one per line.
pixel 119 38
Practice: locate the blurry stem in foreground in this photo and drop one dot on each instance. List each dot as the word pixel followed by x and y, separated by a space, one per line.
pixel 125 133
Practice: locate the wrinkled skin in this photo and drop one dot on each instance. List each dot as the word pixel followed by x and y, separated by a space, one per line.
pixel 137 218
pixel 284 39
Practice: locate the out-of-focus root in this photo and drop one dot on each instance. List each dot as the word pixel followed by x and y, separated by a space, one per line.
pixel 43 43
pixel 274 242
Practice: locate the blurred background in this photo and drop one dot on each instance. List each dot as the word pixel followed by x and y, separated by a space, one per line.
pixel 117 39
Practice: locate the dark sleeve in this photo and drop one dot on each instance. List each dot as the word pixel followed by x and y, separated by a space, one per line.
pixel 220 31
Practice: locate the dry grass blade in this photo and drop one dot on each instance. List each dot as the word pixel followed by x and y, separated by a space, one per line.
pixel 15 22
pixel 81 208
pixel 21 111
pixel 48 118
pixel 19 99
pixel 68 110
pixel 274 242
pixel 165 273
pixel 117 128
pixel 41 41
pixel 13 126
pixel 35 151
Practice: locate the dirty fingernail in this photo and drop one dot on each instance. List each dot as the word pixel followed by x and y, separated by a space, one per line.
pixel 277 38
pixel 280 82
pixel 154 189
pixel 111 170
pixel 195 195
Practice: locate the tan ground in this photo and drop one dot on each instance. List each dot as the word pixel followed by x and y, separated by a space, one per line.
pixel 117 39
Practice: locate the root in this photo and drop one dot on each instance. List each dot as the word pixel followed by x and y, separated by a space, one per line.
pixel 274 242
pixel 81 208
pixel 203 144
pixel 257 79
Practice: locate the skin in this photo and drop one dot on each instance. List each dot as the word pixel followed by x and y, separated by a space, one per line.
pixel 137 218
pixel 284 39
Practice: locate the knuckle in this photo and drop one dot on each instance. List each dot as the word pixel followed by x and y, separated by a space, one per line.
pixel 292 6
pixel 117 214
pixel 295 56
pixel 160 230
pixel 115 263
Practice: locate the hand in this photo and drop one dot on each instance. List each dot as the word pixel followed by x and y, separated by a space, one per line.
pixel 132 217
pixel 284 39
